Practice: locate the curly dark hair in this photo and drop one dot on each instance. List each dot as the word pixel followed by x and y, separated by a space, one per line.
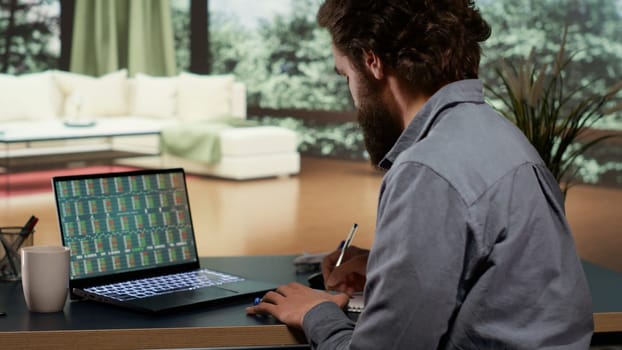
pixel 428 42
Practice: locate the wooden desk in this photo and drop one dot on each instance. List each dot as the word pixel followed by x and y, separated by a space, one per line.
pixel 606 289
pixel 89 325
pixel 95 326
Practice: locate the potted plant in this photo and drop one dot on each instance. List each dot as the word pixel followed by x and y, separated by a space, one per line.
pixel 554 116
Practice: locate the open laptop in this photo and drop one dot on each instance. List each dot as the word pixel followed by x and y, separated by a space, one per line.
pixel 133 245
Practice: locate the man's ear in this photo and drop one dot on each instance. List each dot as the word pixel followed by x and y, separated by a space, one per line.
pixel 373 64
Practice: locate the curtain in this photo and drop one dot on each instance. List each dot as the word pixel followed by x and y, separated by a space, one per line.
pixel 112 34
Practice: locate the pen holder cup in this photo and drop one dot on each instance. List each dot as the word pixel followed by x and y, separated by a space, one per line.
pixel 11 240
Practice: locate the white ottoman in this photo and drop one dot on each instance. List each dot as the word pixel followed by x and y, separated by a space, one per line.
pixel 248 153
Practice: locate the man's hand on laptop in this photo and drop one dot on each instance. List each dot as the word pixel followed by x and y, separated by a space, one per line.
pixel 290 303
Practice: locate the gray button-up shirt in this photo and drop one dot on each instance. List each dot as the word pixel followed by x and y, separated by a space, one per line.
pixel 472 247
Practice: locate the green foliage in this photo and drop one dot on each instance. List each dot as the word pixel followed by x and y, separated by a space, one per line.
pixel 285 63
pixel 340 140
pixel 553 115
pixel 28 29
pixel 600 169
pixel 593 36
pixel 181 28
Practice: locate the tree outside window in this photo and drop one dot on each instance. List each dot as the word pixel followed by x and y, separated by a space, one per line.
pixel 31 35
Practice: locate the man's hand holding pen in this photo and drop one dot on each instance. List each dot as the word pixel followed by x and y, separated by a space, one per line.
pixel 349 277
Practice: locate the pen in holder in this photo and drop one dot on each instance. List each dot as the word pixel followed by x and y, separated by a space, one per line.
pixel 12 238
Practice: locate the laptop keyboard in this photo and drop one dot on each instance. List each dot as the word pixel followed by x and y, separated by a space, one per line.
pixel 160 285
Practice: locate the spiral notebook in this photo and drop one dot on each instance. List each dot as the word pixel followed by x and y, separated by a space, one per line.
pixel 356 303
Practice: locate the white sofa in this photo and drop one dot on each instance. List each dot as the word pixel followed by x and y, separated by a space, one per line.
pixel 248 152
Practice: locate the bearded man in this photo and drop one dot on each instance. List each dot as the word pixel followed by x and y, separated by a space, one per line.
pixel 472 249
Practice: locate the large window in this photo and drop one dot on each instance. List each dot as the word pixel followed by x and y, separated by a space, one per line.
pixel 277 49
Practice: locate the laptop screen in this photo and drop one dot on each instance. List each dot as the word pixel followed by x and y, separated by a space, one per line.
pixel 123 222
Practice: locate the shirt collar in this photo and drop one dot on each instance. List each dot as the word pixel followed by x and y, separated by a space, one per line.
pixel 448 96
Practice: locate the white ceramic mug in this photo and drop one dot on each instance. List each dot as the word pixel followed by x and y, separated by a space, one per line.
pixel 45 277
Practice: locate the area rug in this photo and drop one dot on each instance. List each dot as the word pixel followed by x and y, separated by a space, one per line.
pixel 36 182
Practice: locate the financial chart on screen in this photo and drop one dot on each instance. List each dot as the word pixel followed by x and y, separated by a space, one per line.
pixel 125 223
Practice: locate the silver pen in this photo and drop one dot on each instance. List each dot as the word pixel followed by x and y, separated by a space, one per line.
pixel 346 243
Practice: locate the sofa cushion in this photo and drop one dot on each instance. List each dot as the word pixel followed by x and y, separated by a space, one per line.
pixel 28 97
pixel 93 97
pixel 154 96
pixel 204 97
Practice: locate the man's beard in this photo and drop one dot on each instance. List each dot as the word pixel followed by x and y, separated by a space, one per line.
pixel 381 126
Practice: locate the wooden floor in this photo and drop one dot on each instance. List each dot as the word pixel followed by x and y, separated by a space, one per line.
pixel 312 212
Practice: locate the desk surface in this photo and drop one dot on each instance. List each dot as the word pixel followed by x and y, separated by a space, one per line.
pixel 606 289
pixel 85 324
pixel 92 325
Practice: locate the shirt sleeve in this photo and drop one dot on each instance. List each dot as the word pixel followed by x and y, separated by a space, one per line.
pixel 328 327
pixel 413 272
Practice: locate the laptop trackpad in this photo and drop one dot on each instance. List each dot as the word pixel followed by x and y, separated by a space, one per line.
pixel 180 299
pixel 208 293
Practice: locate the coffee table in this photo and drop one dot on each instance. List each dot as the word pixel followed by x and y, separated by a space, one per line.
pixel 33 145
